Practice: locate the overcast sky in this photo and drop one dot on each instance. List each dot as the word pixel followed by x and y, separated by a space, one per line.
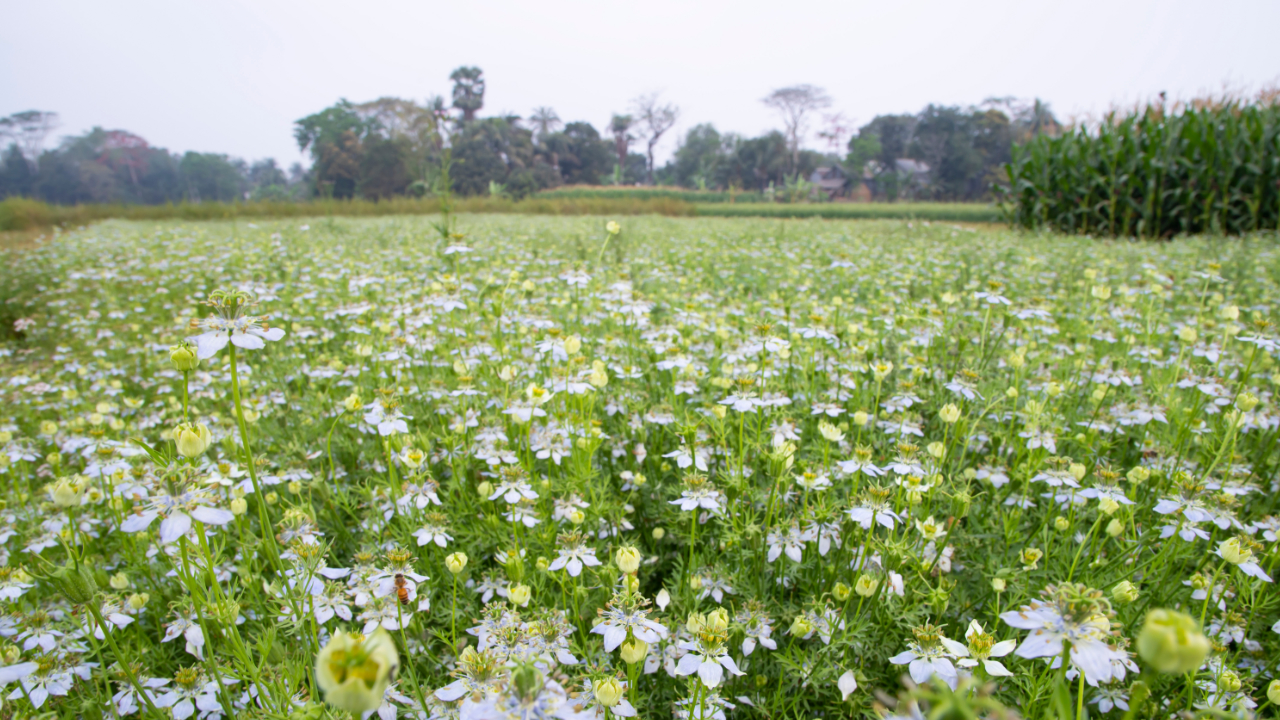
pixel 231 76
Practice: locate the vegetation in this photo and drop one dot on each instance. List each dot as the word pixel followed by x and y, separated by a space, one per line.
pixel 395 147
pixel 955 212
pixel 1212 167
pixel 22 214
pixel 686 467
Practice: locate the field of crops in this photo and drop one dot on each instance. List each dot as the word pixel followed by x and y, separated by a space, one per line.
pixel 684 467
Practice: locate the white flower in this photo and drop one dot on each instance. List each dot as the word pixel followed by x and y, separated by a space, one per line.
pixel 710 668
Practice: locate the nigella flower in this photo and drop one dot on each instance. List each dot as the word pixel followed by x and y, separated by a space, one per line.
pixel 230 323
pixel 982 648
pixel 931 654
pixel 385 415
pixel 872 510
pixel 177 509
pixel 573 555
pixel 708 662
pixel 1071 616
pixel 792 542
pixel 627 615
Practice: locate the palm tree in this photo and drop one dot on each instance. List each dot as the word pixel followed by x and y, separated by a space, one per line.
pixel 545 121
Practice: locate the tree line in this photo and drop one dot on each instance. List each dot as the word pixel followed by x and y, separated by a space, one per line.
pixel 392 147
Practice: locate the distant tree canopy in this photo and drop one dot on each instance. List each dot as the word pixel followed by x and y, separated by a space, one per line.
pixel 394 146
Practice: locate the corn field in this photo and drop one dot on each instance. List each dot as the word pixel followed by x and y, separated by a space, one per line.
pixel 1153 174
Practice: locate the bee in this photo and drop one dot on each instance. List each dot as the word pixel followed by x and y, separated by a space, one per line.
pixel 402 589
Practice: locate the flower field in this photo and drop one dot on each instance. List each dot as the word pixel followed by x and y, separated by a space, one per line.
pixel 691 468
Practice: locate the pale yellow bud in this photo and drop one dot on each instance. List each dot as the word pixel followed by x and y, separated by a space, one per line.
pixel 628 559
pixel 119 581
pixel 633 650
pixel 860 418
pixel 608 691
pixel 519 595
pixel 1108 505
pixel 866 585
pixel 949 413
pixel 238 506
pixel 456 562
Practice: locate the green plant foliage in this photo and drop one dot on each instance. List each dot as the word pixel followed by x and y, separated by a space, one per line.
pixel 1155 174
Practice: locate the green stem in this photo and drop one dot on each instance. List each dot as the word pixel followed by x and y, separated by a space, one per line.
pixel 268 533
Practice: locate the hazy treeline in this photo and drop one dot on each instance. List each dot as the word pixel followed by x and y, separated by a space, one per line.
pixel 392 147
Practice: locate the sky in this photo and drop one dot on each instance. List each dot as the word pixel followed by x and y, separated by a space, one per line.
pixel 232 76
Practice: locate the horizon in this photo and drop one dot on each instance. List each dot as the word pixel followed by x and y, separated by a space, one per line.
pixel 215 96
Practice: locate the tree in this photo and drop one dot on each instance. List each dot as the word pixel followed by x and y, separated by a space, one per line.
pixel 211 177
pixel 384 167
pixel 468 91
pixel 545 121
pixel 334 137
pixel 620 127
pixel 698 159
pixel 656 119
pixel 796 104
pixel 580 154
pixel 28 130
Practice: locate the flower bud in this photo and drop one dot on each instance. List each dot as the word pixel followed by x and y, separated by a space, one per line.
pixel 608 691
pixel 353 671
pixel 1115 528
pixel 519 595
pixel 542 564
pixel 1124 592
pixel 612 227
pixel 192 439
pixel 119 581
pixel 484 489
pixel 801 626
pixel 1108 505
pixel 1247 401
pixel 238 506
pixel 1232 552
pixel 1273 692
pixel 1229 681
pixel 1171 642
pixel 633 650
pixel 1061 524
pixel 137 601
pixel 1187 334
pixel 949 413
pixel 695 582
pixel 841 592
pixel 572 344
pixel 659 533
pixel 936 449
pixel 860 418
pixel 631 584
pixel 718 621
pixel 695 622
pixel 456 562
pixel 184 357
pixel 577 517
pixel 998 584
pixel 67 493
pixel 628 559
pixel 866 585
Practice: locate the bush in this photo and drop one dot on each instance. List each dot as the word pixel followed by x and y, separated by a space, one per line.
pixel 954 212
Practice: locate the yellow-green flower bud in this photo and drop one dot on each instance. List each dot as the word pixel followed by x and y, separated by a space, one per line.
pixel 238 506
pixel 184 357
pixel 354 671
pixel 1247 401
pixel 659 533
pixel 633 650
pixel 841 592
pixel 1062 524
pixel 1231 551
pixel 192 439
pixel 608 691
pixel 1273 692
pixel 866 585
pixel 1138 474
pixel 1115 528
pixel 1171 642
pixel 119 581
pixel 456 562
pixel 628 559
pixel 999 584
pixel 949 413
pixel 137 601
pixel 67 492
pixel 1124 592
pixel 718 621
pixel 801 626
pixel 519 595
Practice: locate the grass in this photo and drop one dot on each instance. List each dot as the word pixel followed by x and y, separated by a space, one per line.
pixel 959 212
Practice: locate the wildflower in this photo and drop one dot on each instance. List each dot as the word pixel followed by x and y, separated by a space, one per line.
pixel 1074 617
pixel 707 655
pixel 1171 642
pixel 230 323
pixel 455 562
pixel 192 439
pixel 354 671
pixel 931 654
pixel 628 559
pixel 982 647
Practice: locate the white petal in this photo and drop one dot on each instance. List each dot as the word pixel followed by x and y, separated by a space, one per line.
pixel 174 527
pixel 711 673
pixel 248 342
pixel 208 344
pixel 847 684
pixel 212 516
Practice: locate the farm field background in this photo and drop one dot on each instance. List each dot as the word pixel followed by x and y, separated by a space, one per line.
pixel 716 466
